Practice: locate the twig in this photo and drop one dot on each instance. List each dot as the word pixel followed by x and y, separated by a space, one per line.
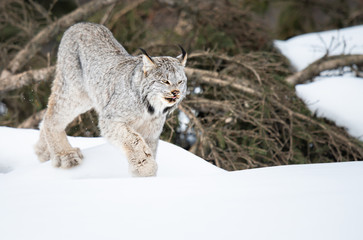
pixel 107 14
pixel 204 136
pixel 336 134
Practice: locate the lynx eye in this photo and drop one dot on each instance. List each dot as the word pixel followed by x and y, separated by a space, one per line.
pixel 166 82
pixel 180 82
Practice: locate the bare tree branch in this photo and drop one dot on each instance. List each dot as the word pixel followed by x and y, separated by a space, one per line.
pixel 214 78
pixel 229 59
pixel 107 15
pixel 33 121
pixel 26 78
pixel 323 64
pixel 34 45
pixel 128 8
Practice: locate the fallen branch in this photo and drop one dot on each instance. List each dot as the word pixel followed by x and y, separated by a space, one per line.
pixel 125 10
pixel 229 59
pixel 107 15
pixel 35 44
pixel 323 64
pixel 26 78
pixel 210 77
pixel 33 121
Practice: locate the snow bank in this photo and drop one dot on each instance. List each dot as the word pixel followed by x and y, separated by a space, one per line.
pixel 102 160
pixel 337 98
pixel 307 48
pixel 189 199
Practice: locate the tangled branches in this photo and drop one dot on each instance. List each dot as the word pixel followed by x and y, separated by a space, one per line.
pixel 241 123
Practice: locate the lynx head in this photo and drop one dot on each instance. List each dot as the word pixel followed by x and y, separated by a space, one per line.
pixel 164 82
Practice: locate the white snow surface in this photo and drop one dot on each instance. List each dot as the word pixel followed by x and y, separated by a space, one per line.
pixel 307 48
pixel 337 98
pixel 189 199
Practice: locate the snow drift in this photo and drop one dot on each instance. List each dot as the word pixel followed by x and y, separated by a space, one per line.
pixel 189 199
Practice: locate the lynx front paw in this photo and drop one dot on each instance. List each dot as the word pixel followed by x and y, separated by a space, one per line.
pixel 68 159
pixel 144 168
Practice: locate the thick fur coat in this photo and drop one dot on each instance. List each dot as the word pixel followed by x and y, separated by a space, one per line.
pixel 131 94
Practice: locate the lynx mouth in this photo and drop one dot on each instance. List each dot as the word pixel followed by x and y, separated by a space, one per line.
pixel 171 99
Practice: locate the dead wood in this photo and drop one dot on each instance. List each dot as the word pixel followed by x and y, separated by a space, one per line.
pixel 214 78
pixel 34 45
pixel 107 15
pixel 323 64
pixel 125 10
pixel 33 121
pixel 26 78
pixel 248 125
pixel 229 59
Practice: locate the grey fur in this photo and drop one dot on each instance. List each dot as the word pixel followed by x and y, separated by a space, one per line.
pixel 131 94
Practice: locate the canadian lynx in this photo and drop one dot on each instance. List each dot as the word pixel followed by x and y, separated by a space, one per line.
pixel 131 94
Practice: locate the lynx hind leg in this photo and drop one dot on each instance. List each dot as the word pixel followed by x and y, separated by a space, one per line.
pixel 62 154
pixel 41 147
pixel 62 109
pixel 139 154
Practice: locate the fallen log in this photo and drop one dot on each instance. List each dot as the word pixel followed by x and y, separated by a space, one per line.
pixel 323 64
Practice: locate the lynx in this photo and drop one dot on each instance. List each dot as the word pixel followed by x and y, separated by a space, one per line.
pixel 131 94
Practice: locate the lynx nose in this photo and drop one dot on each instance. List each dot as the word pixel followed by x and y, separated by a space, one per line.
pixel 175 92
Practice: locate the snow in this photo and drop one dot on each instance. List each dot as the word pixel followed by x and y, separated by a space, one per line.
pixel 189 199
pixel 103 159
pixel 307 48
pixel 337 98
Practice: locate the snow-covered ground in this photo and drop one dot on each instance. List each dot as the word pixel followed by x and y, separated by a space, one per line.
pixel 189 199
pixel 337 98
pixel 307 48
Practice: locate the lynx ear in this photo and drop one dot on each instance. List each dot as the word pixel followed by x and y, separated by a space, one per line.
pixel 147 61
pixel 182 57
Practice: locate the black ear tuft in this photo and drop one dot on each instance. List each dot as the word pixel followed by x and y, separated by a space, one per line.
pixel 182 57
pixel 183 51
pixel 147 55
